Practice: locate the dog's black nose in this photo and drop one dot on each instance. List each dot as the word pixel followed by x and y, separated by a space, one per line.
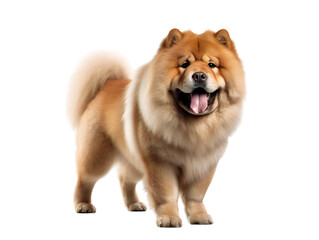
pixel 199 77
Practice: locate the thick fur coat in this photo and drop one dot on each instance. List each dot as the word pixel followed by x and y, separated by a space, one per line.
pixel 169 126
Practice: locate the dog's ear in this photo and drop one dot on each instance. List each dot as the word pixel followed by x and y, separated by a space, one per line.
pixel 172 38
pixel 224 38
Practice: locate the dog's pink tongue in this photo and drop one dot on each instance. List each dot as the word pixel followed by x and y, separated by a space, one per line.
pixel 198 102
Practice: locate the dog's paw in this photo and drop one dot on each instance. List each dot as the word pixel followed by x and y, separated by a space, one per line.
pixel 202 218
pixel 169 221
pixel 84 207
pixel 137 207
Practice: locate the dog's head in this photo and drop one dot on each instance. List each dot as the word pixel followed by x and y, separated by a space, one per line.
pixel 201 72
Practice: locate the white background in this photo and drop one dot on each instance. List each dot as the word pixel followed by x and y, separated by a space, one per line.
pixel 266 185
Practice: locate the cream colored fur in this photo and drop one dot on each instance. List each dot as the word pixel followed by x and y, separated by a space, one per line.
pixel 146 128
pixel 89 77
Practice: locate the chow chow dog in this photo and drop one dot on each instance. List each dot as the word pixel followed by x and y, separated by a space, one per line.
pixel 168 125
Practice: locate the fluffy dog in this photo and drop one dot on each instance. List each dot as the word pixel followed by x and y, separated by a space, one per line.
pixel 169 126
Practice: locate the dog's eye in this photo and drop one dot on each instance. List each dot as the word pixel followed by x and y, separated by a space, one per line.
pixel 185 64
pixel 211 65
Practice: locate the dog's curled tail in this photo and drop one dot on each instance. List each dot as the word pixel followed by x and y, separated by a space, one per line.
pixel 89 77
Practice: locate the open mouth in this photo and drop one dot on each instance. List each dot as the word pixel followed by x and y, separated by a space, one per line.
pixel 198 102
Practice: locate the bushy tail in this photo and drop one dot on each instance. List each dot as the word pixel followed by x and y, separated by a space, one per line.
pixel 89 78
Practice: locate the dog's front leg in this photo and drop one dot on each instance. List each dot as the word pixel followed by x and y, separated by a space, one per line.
pixel 193 194
pixel 162 185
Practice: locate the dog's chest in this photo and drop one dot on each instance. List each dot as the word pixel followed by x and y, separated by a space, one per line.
pixel 193 161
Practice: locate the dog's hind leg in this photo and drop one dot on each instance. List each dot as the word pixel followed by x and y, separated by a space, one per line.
pixel 95 156
pixel 129 176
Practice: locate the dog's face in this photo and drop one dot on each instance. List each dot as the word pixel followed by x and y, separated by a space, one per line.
pixel 200 71
pixel 198 83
